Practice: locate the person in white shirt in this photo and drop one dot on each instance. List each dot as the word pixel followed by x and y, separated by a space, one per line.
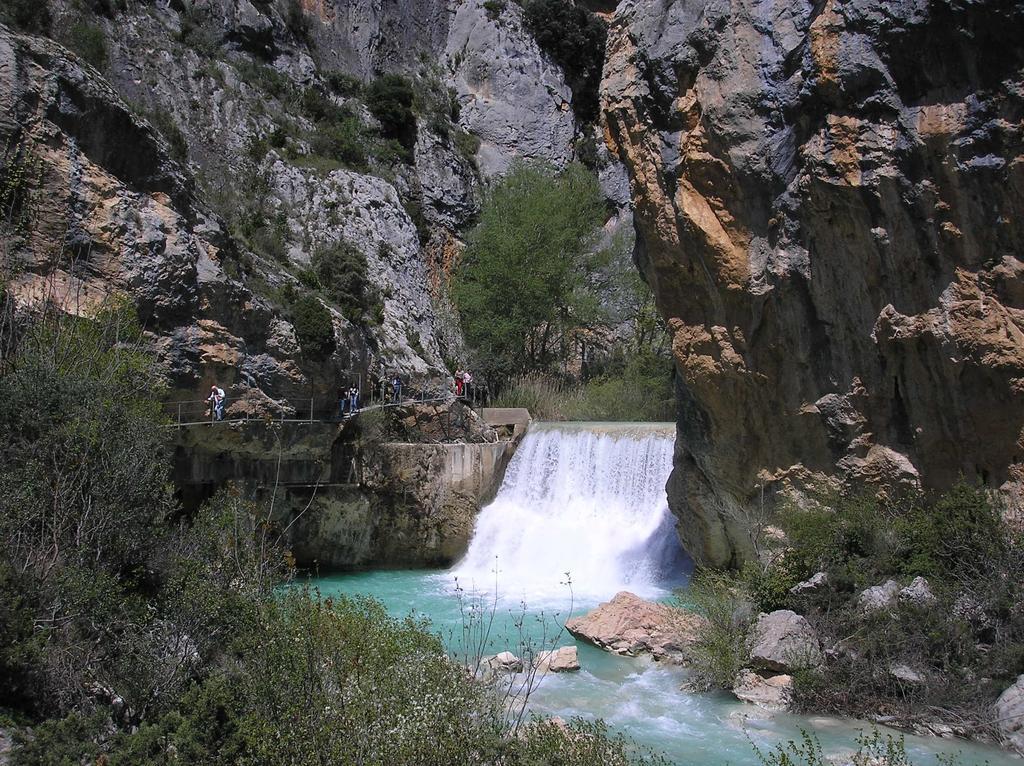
pixel 216 400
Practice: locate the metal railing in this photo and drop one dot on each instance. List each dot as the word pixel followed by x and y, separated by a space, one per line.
pixel 312 410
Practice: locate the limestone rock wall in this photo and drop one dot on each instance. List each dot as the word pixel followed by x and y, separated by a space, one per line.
pixel 347 499
pixel 829 202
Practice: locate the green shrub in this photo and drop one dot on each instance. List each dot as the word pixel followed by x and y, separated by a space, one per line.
pixel 958 535
pixel 295 20
pixel 313 326
pixel 575 39
pixel 89 42
pixel 32 16
pixel 719 651
pixel 494 8
pixel 343 84
pixel 263 77
pixel 640 390
pixel 342 139
pixel 341 272
pixel 390 99
pixel 165 123
pixel 467 144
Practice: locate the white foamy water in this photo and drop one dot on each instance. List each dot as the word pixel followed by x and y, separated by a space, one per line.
pixel 584 499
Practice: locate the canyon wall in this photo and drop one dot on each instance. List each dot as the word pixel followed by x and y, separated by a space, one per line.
pixel 829 203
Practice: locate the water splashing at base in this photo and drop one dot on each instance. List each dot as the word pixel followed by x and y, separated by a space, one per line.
pixel 587 499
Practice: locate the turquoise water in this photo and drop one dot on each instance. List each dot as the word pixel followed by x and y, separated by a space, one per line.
pixel 582 514
pixel 633 695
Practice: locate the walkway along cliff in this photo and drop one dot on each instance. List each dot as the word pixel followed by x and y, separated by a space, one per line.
pixel 396 487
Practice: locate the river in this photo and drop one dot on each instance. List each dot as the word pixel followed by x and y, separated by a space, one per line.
pixel 581 515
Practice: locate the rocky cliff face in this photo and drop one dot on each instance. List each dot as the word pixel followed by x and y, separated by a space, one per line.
pixel 830 209
pixel 201 122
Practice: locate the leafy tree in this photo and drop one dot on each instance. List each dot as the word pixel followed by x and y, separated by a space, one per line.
pixel 522 286
pixel 575 38
pixel 32 16
pixel 313 326
pixel 390 99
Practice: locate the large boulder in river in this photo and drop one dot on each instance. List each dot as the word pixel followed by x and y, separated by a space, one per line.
pixel 1010 715
pixel 771 692
pixel 564 659
pixel 631 626
pixel 783 641
pixel 505 662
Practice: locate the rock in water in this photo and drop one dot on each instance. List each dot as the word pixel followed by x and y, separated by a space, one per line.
pixel 770 693
pixel 561 660
pixel 631 626
pixel 505 662
pixel 1010 715
pixel 783 641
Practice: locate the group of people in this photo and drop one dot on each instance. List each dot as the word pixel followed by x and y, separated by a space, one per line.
pixel 348 398
pixel 348 401
pixel 463 380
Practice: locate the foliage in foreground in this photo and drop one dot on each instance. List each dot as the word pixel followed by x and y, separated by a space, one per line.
pixel 131 635
pixel 872 749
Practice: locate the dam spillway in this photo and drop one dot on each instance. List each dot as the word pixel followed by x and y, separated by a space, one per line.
pixel 585 500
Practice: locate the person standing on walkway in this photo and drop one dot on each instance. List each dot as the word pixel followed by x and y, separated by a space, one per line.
pixel 216 401
pixel 342 402
pixel 467 381
pixel 459 382
pixel 353 400
pixel 396 389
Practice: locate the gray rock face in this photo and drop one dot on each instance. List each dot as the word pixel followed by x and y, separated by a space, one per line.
pixel 1010 715
pixel 813 584
pixel 447 182
pixel 879 597
pixel 828 211
pixel 515 100
pixel 110 198
pixel 783 641
pixel 367 212
pixel 918 593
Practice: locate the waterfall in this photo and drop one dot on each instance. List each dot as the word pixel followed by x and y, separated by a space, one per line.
pixel 587 499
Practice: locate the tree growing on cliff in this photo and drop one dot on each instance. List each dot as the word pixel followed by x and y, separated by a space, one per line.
pixel 522 286
pixel 575 38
